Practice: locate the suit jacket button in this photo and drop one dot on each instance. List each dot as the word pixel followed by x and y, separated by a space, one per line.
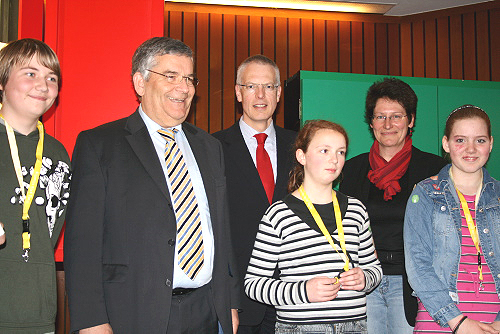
pixel 171 242
pixel 168 283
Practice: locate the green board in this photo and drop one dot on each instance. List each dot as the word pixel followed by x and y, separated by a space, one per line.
pixel 340 97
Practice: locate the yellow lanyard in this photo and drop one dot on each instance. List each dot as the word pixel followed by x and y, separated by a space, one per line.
pixel 472 230
pixel 27 198
pixel 472 226
pixel 322 227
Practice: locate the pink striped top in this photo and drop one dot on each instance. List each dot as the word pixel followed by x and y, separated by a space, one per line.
pixel 478 305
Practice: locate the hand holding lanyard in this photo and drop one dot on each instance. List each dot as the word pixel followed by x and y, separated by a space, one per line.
pixel 322 227
pixel 27 198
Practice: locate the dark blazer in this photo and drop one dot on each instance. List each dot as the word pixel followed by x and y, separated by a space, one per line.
pixel 355 183
pixel 121 229
pixel 248 200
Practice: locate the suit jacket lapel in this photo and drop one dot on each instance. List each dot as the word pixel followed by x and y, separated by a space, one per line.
pixel 142 145
pixel 237 148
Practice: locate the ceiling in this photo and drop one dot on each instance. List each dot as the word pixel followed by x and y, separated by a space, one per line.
pixel 407 7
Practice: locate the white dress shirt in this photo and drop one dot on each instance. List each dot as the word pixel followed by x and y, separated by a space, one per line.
pixel 181 280
pixel 270 145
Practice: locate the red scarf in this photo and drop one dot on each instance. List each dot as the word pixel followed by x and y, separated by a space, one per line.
pixel 385 175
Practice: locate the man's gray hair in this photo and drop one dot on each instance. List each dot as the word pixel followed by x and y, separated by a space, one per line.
pixel 259 59
pixel 145 56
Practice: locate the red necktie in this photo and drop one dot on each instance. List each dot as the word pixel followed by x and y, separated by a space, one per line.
pixel 264 166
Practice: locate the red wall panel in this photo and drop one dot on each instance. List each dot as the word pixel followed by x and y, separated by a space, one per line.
pixel 95 58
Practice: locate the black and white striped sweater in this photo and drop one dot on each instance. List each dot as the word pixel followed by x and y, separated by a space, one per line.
pixel 301 253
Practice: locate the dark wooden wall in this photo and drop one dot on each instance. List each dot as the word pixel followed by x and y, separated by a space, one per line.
pixel 459 43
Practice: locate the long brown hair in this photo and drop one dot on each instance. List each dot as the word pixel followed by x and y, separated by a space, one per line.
pixel 302 142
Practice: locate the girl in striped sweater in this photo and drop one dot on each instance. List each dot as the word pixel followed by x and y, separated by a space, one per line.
pixel 320 241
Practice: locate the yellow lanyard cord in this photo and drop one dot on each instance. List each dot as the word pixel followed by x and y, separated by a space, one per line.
pixel 322 227
pixel 470 223
pixel 27 198
pixel 472 230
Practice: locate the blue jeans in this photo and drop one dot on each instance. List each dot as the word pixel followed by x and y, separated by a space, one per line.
pixel 385 309
pixel 350 327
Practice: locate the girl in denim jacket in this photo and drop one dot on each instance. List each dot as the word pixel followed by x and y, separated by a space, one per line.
pixel 452 249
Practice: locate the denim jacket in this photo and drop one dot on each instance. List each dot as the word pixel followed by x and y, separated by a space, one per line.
pixel 432 241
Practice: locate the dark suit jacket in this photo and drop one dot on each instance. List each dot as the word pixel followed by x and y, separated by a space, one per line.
pixel 356 183
pixel 248 200
pixel 120 233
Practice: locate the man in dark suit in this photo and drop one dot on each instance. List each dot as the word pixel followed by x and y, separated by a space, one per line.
pixel 146 246
pixel 250 189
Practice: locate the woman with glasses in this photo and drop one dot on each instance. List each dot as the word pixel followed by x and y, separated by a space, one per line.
pixel 383 180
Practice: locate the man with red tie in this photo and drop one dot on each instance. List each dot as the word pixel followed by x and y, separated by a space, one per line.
pixel 258 158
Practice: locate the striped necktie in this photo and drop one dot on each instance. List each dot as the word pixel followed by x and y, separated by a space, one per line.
pixel 189 233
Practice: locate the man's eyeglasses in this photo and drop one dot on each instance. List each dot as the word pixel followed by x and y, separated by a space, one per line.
pixel 252 87
pixel 176 79
pixel 393 118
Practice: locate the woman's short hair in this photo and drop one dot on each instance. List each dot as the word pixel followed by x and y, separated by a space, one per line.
pixel 392 89
pixel 302 142
pixel 465 112
pixel 20 52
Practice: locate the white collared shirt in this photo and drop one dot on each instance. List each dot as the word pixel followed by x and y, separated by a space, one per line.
pixel 181 280
pixel 270 145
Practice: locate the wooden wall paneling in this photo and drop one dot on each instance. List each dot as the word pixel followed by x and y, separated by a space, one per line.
pixel 469 44
pixel 242 37
pixel 229 71
pixel 430 48
pixel 483 46
pixel 215 73
pixel 357 47
pixel 345 46
pixel 166 22
pixel 443 48
pixel 201 117
pixel 332 46
pixel 394 47
pixel 381 54
pixel 319 45
pixel 418 49
pixel 294 51
pixel 463 45
pixel 456 50
pixel 175 25
pixel 189 30
pixel 293 46
pixel 369 48
pixel 306 44
pixel 406 50
pixel 268 37
pixel 282 62
pixel 495 44
pixel 255 35
pixel 189 37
